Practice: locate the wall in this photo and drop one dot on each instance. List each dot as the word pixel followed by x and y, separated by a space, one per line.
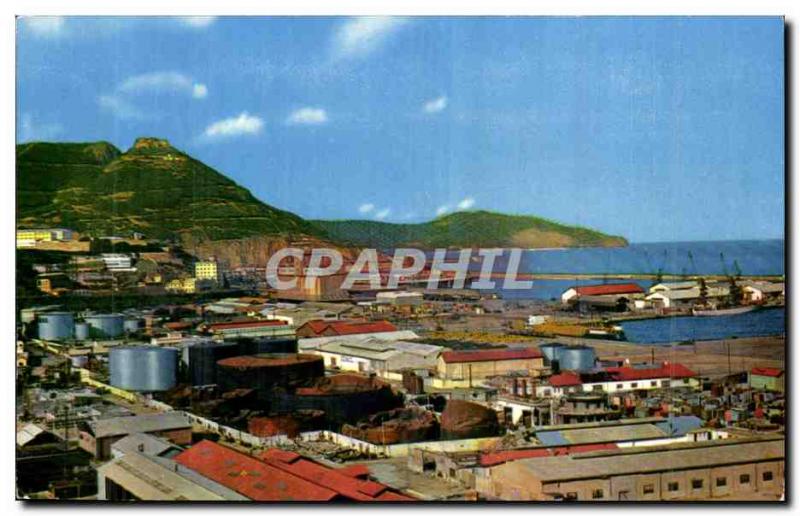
pixel 480 370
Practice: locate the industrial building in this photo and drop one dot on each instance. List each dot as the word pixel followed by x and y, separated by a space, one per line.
pixel 475 366
pixel 97 437
pixel 376 355
pixel 602 295
pixel 709 470
pixel 278 476
pixel 250 328
pixel 341 328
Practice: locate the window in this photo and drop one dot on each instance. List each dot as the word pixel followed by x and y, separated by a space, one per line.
pixel 722 481
pixel 597 388
pixel 686 380
pixel 634 385
pixel 766 476
pixel 572 496
pixel 697 483
pixel 597 494
pixel 744 478
pixel 665 383
pixel 648 489
pixel 547 392
pixel 672 486
pixel 619 386
pixel 653 383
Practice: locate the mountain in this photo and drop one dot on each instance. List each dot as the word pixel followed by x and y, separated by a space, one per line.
pixel 468 229
pixel 152 188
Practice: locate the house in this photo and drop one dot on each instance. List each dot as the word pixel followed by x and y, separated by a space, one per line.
pixel 672 286
pixel 476 366
pixel 97 437
pixel 619 379
pixel 281 476
pixel 338 328
pixel 32 435
pixel 767 378
pixel 615 290
pixel 726 469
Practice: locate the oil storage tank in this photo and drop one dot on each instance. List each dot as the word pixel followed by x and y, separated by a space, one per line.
pixel 105 325
pixel 576 358
pixel 550 352
pixel 202 358
pixel 81 331
pixel 143 368
pixel 131 325
pixel 256 346
pixel 265 372
pixel 465 420
pixel 56 326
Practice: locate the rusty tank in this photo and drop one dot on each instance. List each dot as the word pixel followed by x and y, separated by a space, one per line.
pixel 465 420
pixel 402 425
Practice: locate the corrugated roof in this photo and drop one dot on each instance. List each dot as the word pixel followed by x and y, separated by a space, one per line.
pixel 610 288
pixel 490 355
pixel 143 423
pixel 565 379
pixel 251 477
pixel 350 327
pixel 767 371
pixel 495 458
pixel 667 370
pixel 245 324
pixel 650 460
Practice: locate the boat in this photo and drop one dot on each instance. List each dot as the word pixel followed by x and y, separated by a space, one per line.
pixel 716 312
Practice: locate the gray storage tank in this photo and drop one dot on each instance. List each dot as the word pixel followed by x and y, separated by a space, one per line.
pixel 105 325
pixel 576 358
pixel 81 331
pixel 131 325
pixel 56 326
pixel 143 368
pixel 550 352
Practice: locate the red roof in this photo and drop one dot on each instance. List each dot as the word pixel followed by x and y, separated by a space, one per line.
pixel 767 371
pixel 565 379
pixel 338 480
pixel 495 458
pixel 487 355
pixel 245 324
pixel 249 476
pixel 610 288
pixel 667 370
pixel 350 327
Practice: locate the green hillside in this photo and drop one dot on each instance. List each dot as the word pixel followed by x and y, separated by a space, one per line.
pixel 468 229
pixel 152 188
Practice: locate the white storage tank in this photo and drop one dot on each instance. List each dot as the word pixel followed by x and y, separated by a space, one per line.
pixel 576 358
pixel 143 368
pixel 81 331
pixel 131 325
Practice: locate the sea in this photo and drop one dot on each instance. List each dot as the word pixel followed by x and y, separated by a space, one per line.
pixel 753 257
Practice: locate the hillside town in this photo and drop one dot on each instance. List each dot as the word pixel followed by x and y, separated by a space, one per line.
pixel 145 372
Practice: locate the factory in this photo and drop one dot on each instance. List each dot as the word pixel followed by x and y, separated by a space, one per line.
pixel 249 328
pixel 610 296
pixel 476 366
pixel 97 437
pixel 341 328
pixel 370 355
pixel 705 470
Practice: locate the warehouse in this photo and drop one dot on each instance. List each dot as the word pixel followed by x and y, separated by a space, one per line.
pixel 251 328
pixel 340 328
pixel 96 437
pixel 478 365
pixel 378 356
pixel 727 470
pixel 616 290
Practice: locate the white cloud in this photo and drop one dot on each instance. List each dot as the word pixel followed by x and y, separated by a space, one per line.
pixel 383 214
pixel 44 26
pixel 466 203
pixel 435 105
pixel 199 91
pixel 197 22
pixel 31 130
pixel 362 35
pixel 307 116
pixel 366 207
pixel 441 210
pixel 120 108
pixel 156 81
pixel 243 124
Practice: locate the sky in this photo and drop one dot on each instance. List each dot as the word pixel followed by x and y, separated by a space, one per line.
pixel 657 129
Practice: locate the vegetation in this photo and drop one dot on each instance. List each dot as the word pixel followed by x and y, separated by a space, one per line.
pixel 468 229
pixel 152 188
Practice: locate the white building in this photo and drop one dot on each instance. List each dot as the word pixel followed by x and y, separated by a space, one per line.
pixel 377 356
pixel 117 261
pixel 760 291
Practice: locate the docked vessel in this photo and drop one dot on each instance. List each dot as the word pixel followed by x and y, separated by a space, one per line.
pixel 716 312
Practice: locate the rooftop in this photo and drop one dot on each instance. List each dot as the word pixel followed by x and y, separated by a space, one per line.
pixel 611 288
pixel 143 423
pixel 490 355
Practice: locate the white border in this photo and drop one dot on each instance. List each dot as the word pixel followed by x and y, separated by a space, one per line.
pixel 789 8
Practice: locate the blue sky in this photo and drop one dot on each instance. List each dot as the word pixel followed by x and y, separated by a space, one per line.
pixel 658 129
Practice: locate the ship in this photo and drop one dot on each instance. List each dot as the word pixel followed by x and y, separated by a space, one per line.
pixel 717 312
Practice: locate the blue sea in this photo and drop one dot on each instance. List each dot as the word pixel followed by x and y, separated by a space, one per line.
pixel 753 257
pixel 678 329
